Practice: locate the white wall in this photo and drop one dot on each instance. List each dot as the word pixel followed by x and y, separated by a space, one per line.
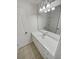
pixel 27 21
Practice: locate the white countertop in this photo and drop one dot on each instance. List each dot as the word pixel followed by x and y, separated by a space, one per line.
pixel 49 43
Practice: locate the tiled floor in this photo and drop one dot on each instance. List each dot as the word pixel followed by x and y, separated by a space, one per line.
pixel 29 52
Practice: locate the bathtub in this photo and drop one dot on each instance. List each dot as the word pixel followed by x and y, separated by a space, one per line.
pixel 46 45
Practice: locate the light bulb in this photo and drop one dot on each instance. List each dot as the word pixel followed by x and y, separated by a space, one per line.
pixel 48 5
pixel 48 10
pixel 43 7
pixel 53 8
pixel 40 9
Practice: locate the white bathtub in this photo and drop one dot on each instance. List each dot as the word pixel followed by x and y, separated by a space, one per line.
pixel 47 46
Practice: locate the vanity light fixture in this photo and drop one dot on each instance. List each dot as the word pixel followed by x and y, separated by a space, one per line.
pixel 46 7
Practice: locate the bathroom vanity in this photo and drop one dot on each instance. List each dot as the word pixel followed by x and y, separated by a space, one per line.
pixel 46 45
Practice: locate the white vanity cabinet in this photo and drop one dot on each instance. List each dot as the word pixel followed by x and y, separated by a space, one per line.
pixel 42 49
pixel 47 46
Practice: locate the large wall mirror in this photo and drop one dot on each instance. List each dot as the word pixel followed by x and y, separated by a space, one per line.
pixel 50 21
